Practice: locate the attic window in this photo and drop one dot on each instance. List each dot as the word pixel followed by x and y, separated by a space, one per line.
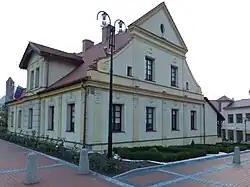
pixel 162 28
pixel 187 86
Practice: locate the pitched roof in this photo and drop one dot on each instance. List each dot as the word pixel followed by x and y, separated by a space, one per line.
pixel 90 57
pixel 224 98
pixel 214 108
pixel 239 104
pixel 47 52
pixel 215 103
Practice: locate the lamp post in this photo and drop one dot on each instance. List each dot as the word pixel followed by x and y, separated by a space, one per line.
pixel 245 122
pixel 111 45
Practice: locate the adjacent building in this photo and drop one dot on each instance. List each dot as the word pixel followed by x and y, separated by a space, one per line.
pixel 156 99
pixel 236 127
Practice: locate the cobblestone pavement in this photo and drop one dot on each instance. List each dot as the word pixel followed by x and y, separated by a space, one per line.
pixel 216 172
pixel 52 172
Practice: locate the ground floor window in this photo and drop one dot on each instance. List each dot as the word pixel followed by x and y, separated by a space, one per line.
pixel 117 118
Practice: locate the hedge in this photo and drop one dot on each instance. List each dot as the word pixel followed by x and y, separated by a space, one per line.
pixel 175 153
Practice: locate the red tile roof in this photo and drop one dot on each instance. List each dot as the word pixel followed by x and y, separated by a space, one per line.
pixel 90 58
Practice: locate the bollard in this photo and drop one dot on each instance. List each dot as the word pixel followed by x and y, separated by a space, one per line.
pixel 31 176
pixel 236 156
pixel 83 167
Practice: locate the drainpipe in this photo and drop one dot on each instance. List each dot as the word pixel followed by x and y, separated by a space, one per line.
pixel 85 115
pixel 204 123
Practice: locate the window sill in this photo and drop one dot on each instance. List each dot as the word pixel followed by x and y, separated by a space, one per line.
pixel 174 86
pixel 118 132
pixel 151 81
pixel 150 130
pixel 50 129
pixel 194 129
pixel 175 130
pixel 70 131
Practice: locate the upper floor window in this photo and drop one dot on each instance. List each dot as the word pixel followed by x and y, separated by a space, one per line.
pixel 230 118
pixel 117 118
pixel 150 118
pixel 149 69
pixel 37 77
pixel 248 116
pixel 19 119
pixel 174 73
pixel 31 79
pixel 239 118
pixel 70 118
pixel 193 120
pixel 175 125
pixel 30 120
pixel 12 119
pixel 129 71
pixel 51 118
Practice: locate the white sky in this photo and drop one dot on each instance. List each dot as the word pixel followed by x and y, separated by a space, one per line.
pixel 216 33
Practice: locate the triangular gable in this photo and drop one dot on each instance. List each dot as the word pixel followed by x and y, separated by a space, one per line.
pixel 27 55
pixel 152 20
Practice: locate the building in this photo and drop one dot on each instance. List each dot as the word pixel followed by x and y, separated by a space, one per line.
pixel 236 127
pixel 156 99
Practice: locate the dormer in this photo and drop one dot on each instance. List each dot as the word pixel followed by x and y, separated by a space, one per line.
pixel 46 65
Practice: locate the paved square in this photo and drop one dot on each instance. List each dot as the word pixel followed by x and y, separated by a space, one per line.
pixel 150 178
pixel 217 172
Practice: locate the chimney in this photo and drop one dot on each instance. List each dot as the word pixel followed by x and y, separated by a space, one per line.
pixel 105 33
pixel 86 44
pixel 10 86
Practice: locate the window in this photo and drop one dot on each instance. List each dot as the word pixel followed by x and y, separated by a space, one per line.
pixel 31 79
pixel 230 118
pixel 30 118
pixel 51 118
pixel 71 118
pixel 248 116
pixel 239 118
pixel 12 119
pixel 19 119
pixel 129 71
pixel 149 118
pixel 37 77
pixel 149 69
pixel 175 119
pixel 174 71
pixel 219 131
pixel 193 120
pixel 187 86
pixel 117 118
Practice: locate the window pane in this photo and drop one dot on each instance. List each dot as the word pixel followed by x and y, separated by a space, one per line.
pixel 117 114
pixel 117 120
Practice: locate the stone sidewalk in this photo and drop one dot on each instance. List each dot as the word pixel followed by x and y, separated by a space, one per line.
pixel 52 172
pixel 217 172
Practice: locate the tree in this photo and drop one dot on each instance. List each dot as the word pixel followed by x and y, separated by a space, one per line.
pixel 4 116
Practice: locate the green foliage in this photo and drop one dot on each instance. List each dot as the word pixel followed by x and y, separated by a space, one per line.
pixel 174 153
pixel 102 164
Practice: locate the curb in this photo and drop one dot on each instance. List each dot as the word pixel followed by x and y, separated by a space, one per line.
pixel 178 162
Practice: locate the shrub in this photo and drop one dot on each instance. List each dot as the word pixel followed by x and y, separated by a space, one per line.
pixel 102 164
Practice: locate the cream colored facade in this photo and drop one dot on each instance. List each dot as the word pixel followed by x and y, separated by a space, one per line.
pixel 133 93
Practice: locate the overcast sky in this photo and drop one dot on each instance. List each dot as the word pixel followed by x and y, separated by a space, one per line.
pixel 216 33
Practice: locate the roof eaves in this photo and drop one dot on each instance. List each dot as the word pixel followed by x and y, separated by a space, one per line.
pixel 51 88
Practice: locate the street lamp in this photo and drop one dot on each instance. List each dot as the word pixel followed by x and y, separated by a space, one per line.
pixel 245 122
pixel 111 38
